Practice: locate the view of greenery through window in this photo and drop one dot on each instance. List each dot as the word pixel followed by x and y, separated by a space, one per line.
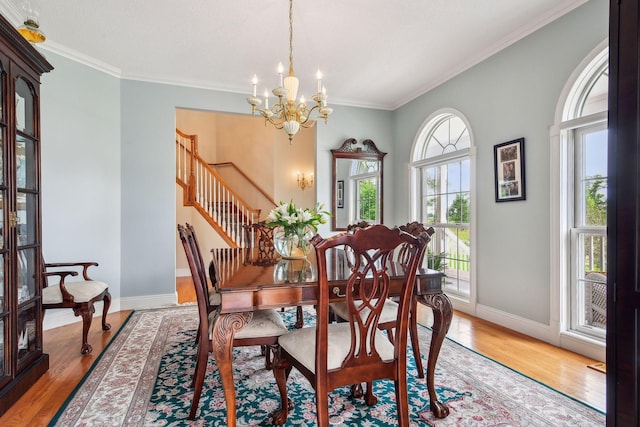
pixel 367 200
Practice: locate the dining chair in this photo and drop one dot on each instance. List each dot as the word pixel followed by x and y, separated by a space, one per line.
pixel 213 296
pixel 259 236
pixel 263 329
pixel 78 295
pixel 389 312
pixel 331 355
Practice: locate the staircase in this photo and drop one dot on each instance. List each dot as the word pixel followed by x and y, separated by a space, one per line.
pixel 206 191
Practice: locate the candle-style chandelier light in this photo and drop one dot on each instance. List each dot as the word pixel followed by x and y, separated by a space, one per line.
pixel 288 113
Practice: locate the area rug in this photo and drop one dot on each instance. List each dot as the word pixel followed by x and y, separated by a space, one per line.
pixel 143 378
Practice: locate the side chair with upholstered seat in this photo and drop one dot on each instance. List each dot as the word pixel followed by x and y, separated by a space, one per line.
pixel 78 295
pixel 389 313
pixel 331 355
pixel 263 329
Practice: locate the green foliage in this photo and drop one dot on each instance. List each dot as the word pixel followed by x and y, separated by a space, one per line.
pixel 459 210
pixel 596 202
pixel 368 200
pixel 436 261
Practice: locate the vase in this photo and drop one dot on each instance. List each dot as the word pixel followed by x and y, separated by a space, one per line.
pixel 294 271
pixel 292 244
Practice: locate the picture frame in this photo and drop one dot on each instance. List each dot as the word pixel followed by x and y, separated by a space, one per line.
pixel 340 194
pixel 508 160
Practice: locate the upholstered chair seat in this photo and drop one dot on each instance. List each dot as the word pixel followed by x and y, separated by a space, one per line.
pixel 214 297
pixel 81 291
pixel 301 344
pixel 264 323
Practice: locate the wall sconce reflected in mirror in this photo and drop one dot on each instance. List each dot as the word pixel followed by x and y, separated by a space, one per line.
pixel 304 182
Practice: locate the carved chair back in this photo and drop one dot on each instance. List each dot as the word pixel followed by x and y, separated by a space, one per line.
pixel 259 236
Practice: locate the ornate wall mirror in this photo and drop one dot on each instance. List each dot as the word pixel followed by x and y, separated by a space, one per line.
pixel 357 184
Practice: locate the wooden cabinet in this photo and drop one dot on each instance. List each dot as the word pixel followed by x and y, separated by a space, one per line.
pixel 22 360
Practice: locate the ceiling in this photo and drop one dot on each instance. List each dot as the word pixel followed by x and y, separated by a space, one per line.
pixel 372 53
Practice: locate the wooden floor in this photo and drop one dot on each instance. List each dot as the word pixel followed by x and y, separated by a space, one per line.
pixel 559 369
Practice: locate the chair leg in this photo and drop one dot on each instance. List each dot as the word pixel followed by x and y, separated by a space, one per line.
pixel 267 357
pixel 197 336
pixel 105 309
pixel 281 370
pixel 369 398
pixel 322 405
pixel 299 317
pixel 402 398
pixel 413 334
pixel 86 312
pixel 198 380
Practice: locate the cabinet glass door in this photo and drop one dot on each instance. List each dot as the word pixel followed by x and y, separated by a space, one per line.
pixel 24 217
pixel 27 332
pixel 24 107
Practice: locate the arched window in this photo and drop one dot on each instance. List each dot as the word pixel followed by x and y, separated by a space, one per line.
pixel 441 170
pixel 582 238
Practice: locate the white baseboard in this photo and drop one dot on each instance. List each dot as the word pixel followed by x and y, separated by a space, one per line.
pixel 63 316
pixel 546 333
pixel 148 301
pixel 183 272
pixel 526 326
pixel 581 345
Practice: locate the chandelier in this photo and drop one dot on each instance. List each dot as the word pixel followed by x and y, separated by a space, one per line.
pixel 287 113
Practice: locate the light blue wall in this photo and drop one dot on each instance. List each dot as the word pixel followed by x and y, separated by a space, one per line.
pixel 81 168
pixel 513 94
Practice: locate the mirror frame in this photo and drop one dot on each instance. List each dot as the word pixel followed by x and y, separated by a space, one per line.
pixel 351 150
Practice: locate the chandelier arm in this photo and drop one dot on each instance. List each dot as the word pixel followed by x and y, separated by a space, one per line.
pixel 308 123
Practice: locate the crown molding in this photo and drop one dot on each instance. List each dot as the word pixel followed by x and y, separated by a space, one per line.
pixel 11 13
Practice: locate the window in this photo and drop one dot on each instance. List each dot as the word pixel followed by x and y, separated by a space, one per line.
pixel 583 134
pixel 364 179
pixel 442 173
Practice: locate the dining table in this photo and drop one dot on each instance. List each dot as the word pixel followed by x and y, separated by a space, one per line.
pixel 249 281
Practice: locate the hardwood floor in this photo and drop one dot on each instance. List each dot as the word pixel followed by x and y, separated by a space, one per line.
pixel 66 368
pixel 560 369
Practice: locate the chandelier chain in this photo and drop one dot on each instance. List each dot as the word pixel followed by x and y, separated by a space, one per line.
pixel 290 37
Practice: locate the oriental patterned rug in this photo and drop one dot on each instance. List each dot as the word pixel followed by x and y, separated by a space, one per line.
pixel 143 378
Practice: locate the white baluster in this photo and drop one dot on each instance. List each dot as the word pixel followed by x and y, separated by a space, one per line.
pixel 210 195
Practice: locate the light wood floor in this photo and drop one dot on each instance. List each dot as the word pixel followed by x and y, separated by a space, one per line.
pixel 560 369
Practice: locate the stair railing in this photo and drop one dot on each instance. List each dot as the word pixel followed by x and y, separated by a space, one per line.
pixel 209 194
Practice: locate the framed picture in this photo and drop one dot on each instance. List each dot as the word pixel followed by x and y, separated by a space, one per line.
pixel 509 170
pixel 340 194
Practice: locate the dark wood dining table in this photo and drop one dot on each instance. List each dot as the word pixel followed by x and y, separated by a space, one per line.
pixel 249 282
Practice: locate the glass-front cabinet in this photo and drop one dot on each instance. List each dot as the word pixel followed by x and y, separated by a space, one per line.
pixel 22 360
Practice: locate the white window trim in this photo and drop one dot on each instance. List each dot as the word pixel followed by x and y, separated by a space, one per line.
pixel 465 305
pixel 559 191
